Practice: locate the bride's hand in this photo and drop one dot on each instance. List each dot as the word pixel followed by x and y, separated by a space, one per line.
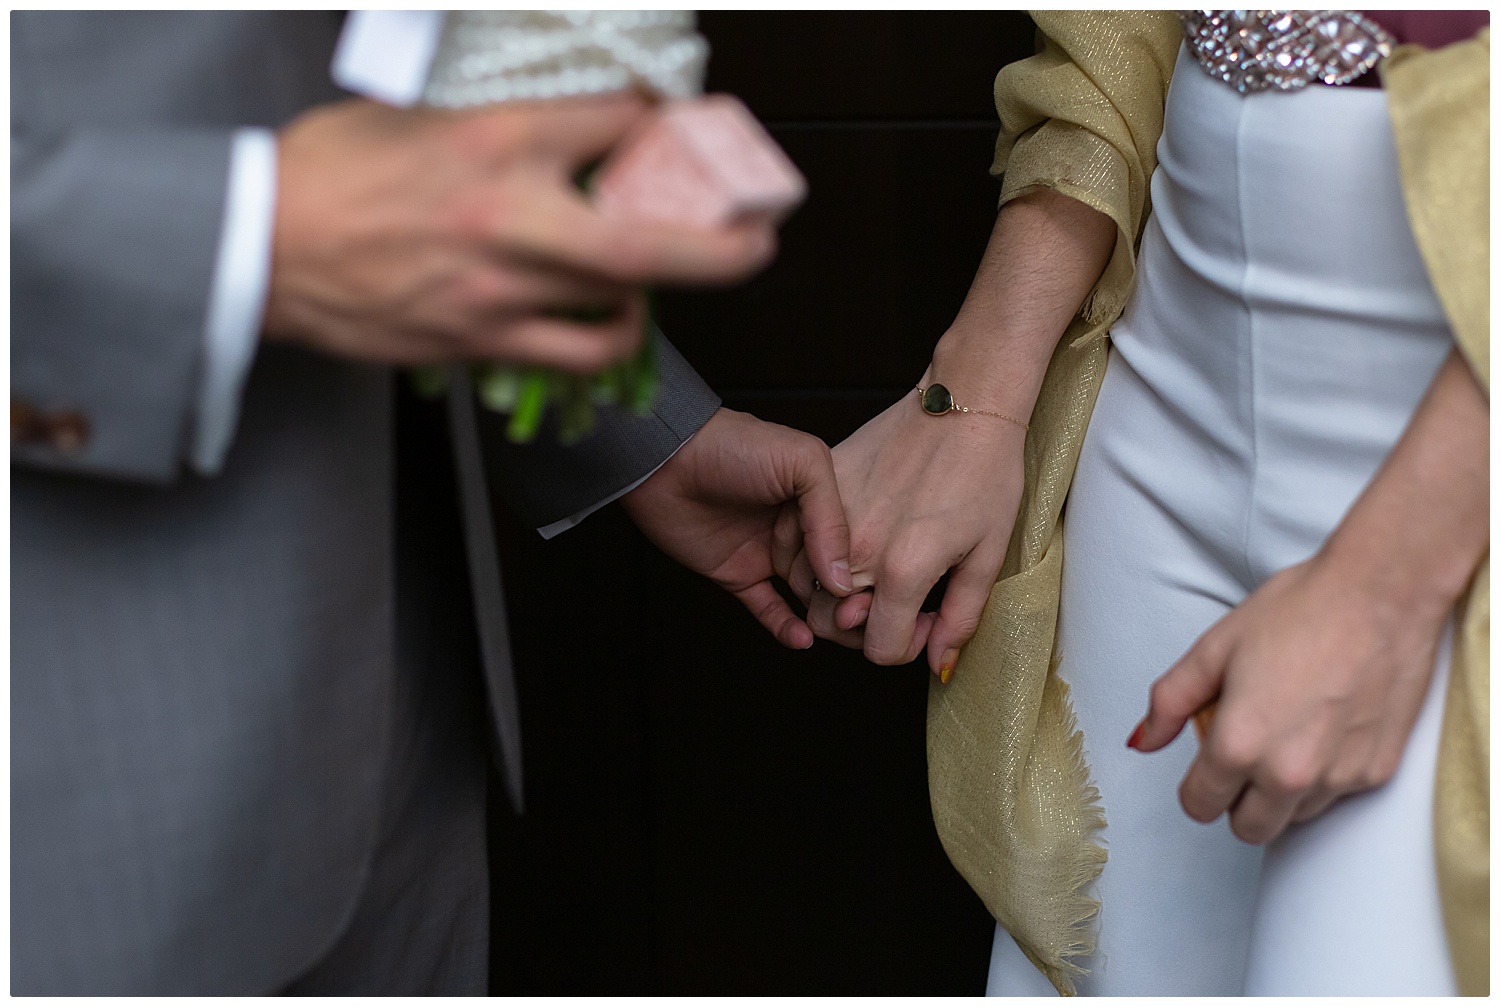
pixel 1321 673
pixel 1319 683
pixel 925 495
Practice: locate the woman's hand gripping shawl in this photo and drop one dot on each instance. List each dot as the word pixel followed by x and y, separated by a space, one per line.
pixel 1011 794
pixel 1440 116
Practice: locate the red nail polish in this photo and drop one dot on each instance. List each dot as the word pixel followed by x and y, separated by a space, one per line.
pixel 1135 736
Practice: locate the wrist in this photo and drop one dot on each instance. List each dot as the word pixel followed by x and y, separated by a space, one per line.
pixel 1044 255
pixel 1420 529
pixel 973 431
pixel 1398 576
pixel 279 318
pixel 675 469
pixel 988 371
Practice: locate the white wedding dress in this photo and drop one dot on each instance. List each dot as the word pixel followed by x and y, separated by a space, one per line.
pixel 1282 333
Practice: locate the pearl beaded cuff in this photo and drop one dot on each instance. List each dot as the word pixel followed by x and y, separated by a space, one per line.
pixel 493 56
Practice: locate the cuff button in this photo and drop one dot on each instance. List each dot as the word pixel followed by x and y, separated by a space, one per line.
pixel 69 431
pixel 66 430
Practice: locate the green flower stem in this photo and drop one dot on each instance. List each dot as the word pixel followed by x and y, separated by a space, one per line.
pixel 526 394
pixel 531 401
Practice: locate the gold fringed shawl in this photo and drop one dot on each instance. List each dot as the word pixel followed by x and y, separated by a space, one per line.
pixel 1439 104
pixel 1010 792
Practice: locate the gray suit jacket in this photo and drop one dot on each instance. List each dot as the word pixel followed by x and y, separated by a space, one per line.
pixel 201 668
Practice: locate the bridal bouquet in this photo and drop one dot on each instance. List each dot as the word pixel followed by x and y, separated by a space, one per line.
pixel 701 162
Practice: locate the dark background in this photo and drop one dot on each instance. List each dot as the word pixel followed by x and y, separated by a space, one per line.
pixel 707 813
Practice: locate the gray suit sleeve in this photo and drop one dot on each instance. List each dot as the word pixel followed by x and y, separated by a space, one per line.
pixel 545 482
pixel 113 244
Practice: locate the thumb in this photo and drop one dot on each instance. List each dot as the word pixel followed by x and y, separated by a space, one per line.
pixel 820 512
pixel 1188 686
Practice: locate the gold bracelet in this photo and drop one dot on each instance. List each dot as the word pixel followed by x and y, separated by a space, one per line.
pixel 936 400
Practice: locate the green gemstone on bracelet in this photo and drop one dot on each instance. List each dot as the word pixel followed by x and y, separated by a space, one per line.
pixel 937 400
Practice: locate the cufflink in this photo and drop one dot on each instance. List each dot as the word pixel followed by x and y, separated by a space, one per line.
pixel 64 430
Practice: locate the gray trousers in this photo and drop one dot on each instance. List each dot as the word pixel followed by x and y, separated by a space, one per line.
pixel 421 923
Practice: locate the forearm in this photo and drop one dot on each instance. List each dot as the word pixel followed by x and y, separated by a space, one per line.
pixel 1044 256
pixel 1415 536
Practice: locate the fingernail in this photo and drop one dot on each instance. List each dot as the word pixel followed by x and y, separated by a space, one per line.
pixel 841 578
pixel 945 666
pixel 1135 736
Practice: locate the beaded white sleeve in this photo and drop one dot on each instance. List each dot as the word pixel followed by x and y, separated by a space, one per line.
pixel 492 56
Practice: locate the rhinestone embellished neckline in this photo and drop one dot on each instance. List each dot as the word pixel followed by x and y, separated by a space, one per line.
pixel 1260 50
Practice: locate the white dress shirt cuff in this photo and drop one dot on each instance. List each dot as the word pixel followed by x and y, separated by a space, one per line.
pixel 386 54
pixel 237 299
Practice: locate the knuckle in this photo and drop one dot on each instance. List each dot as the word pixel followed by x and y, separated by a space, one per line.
pixel 820 618
pixel 1293 776
pixel 490 134
pixel 477 290
pixel 1213 647
pixel 1309 811
pixel 817 448
pixel 823 628
pixel 1380 771
pixel 901 574
pixel 905 565
pixel 864 545
pixel 1348 776
pixel 963 627
pixel 883 655
pixel 1163 695
pixel 1346 781
pixel 770 610
pixel 1235 745
pixel 491 216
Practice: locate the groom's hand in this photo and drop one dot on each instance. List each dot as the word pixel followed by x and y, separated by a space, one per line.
pixel 416 236
pixel 738 502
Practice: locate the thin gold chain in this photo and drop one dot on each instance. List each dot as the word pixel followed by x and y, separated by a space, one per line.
pixel 982 412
